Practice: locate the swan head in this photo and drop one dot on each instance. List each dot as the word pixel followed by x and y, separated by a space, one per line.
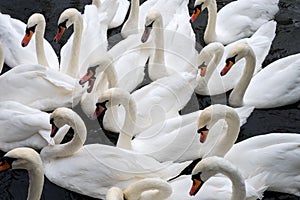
pixel 66 19
pixel 205 169
pixel 96 68
pixel 199 6
pixel 21 158
pixel 153 17
pixel 237 53
pixel 34 21
pixel 114 193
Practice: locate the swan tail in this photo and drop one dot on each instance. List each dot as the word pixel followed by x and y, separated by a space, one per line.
pixel 256 186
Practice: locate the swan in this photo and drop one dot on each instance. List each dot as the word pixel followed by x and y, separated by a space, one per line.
pixel 100 166
pixel 214 57
pixel 120 10
pixel 36 24
pixel 148 188
pixel 24 126
pixel 12 31
pixel 175 139
pixel 285 75
pixel 174 50
pixel 242 16
pixel 26 158
pixel 90 31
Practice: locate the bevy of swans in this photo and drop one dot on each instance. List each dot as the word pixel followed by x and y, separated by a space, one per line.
pixel 26 158
pixel 146 189
pixel 23 126
pixel 237 20
pixel 12 31
pixel 212 83
pixel 107 166
pixel 174 49
pixel 275 85
pixel 45 56
pixel 175 139
pixel 90 32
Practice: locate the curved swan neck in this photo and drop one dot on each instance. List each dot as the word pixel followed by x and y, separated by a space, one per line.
pixel 131 25
pixel 162 189
pixel 1 57
pixel 39 42
pixel 36 182
pixel 210 31
pixel 126 133
pixel 237 95
pixel 69 148
pixel 73 67
pixel 157 64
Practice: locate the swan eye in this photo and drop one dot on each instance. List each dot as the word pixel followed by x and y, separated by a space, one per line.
pixel 150 25
pixel 51 121
pixel 196 176
pixel 231 59
pixel 6 163
pixel 63 24
pixel 30 29
pixel 202 129
pixel 102 104
pixel 198 7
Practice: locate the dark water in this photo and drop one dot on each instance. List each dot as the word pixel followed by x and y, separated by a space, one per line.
pixel 13 184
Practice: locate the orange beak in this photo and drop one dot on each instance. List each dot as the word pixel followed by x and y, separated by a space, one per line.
pixel 60 33
pixel 226 68
pixel 98 112
pixel 203 136
pixel 90 74
pixel 195 187
pixel 27 39
pixel 4 165
pixel 195 15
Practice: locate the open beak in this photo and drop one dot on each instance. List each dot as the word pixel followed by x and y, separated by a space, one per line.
pixel 98 112
pixel 195 187
pixel 91 85
pixel 226 68
pixel 195 15
pixel 146 33
pixel 59 34
pixel 54 130
pixel 27 39
pixel 4 165
pixel 90 74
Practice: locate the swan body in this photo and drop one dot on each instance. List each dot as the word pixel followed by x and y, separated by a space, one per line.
pixel 251 91
pixel 90 31
pixel 242 16
pixel 212 83
pixel 146 189
pixel 23 126
pixel 12 31
pixel 107 166
pixel 40 87
pixel 26 158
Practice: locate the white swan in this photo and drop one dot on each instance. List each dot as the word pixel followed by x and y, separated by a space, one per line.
pixel 23 126
pixel 146 189
pixel 26 158
pixel 236 20
pixel 120 8
pixel 36 24
pixel 90 31
pixel 12 31
pixel 275 85
pixel 100 166
pixel 174 48
pixel 176 139
pixel 212 83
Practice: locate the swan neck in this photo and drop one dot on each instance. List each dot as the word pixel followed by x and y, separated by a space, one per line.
pixel 39 43
pixel 131 25
pixel 157 67
pixel 237 94
pixel 210 31
pixel 111 75
pixel 212 65
pixel 161 190
pixel 1 58
pixel 36 182
pixel 126 133
pixel 73 67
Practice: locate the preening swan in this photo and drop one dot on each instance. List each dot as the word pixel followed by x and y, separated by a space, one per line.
pixel 175 139
pixel 26 158
pixel 237 20
pixel 212 83
pixel 12 31
pixel 100 166
pixel 275 85
pixel 45 56
pixel 146 189
pixel 22 126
